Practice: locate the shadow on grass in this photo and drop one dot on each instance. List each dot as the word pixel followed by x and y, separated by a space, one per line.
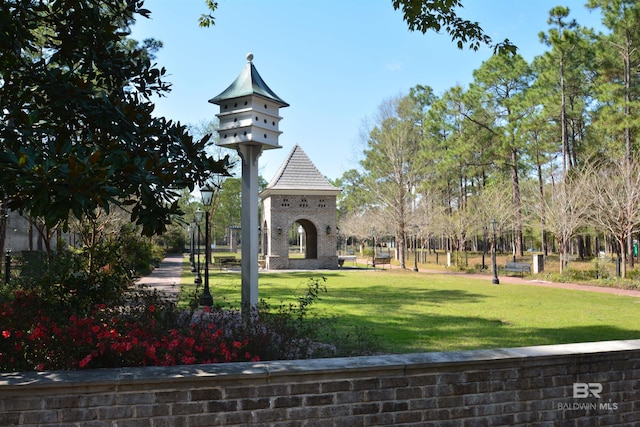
pixel 398 306
pixel 403 314
pixel 397 333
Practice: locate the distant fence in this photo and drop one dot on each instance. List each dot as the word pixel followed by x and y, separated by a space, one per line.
pixel 571 384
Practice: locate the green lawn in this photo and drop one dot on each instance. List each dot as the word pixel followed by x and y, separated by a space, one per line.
pixel 416 312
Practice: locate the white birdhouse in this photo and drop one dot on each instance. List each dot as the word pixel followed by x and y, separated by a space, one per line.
pixel 249 111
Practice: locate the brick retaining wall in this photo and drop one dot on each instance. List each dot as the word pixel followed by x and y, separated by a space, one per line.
pixel 516 386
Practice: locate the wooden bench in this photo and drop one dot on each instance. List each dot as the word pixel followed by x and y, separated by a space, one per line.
pixel 380 260
pixel 518 267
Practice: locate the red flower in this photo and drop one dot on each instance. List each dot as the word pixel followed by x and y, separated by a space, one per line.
pixel 84 362
pixel 38 332
pixel 152 308
pixel 188 360
pixel 6 334
pixel 151 352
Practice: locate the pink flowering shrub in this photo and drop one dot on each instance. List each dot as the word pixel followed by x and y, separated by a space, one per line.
pixel 31 338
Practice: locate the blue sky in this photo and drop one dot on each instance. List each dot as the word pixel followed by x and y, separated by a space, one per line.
pixel 333 61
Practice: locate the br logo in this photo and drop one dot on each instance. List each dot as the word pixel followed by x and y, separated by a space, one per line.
pixel 583 390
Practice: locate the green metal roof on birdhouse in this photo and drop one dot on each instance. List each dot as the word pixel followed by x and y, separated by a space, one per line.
pixel 248 83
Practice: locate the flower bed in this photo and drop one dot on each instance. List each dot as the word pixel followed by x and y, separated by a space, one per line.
pixel 34 338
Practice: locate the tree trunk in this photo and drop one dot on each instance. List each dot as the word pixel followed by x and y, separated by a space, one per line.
pixel 515 184
pixel 581 247
pixel 563 121
pixel 401 244
pixel 563 255
pixel 543 214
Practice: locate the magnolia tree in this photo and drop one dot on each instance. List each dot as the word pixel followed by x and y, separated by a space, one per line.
pixel 76 117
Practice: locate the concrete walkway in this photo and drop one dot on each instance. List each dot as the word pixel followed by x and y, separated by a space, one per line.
pixel 166 277
pixel 515 280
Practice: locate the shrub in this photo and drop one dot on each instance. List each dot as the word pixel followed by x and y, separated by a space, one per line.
pixel 294 331
pixel 72 281
pixel 139 253
pixel 280 332
pixel 136 335
pixel 173 240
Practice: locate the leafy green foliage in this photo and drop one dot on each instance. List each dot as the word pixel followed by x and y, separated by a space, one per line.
pixel 437 15
pixel 208 20
pixel 314 288
pixel 78 126
pixel 228 205
pixel 617 82
pixel 75 280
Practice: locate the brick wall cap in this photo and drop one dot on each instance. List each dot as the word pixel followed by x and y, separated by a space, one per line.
pixel 269 369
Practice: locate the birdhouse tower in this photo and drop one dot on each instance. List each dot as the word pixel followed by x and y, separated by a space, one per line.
pixel 249 124
pixel 249 111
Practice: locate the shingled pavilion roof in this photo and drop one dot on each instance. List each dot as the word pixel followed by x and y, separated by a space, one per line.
pixel 298 175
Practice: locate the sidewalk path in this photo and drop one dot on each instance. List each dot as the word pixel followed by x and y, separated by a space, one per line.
pixel 166 277
pixel 514 280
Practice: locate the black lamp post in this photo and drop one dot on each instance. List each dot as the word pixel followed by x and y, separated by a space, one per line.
pixel 484 244
pixel 415 247
pixel 7 267
pixel 373 239
pixel 192 230
pixel 495 280
pixel 207 196
pixel 198 219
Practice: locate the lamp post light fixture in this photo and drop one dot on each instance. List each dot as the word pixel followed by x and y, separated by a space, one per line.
pixel 207 196
pixel 415 247
pixel 198 217
pixel 300 233
pixel 495 280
